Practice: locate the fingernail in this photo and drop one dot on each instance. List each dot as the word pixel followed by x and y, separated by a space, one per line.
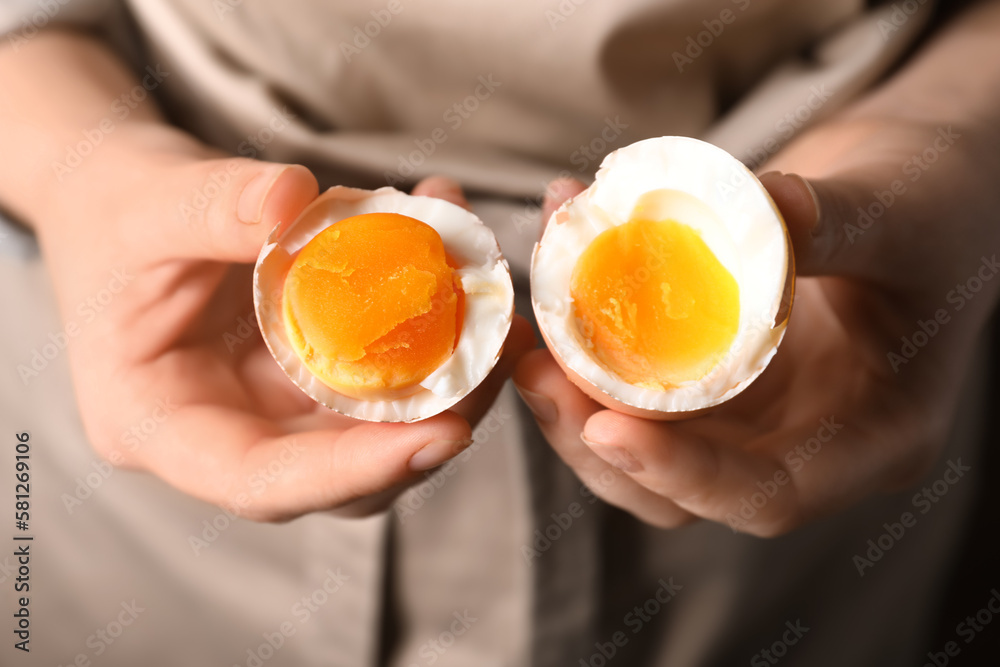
pixel 815 199
pixel 619 457
pixel 543 407
pixel 437 452
pixel 773 172
pixel 250 207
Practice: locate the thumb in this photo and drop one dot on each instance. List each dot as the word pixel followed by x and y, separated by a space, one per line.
pixel 224 209
pixel 822 220
pixel 442 187
pixel 556 193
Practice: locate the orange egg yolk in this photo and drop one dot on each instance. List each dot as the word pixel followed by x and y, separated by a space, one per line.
pixel 654 304
pixel 372 303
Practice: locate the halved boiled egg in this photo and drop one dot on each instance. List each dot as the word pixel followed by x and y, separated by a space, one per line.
pixel 384 306
pixel 665 287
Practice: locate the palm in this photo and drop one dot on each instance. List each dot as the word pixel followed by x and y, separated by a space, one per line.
pixel 826 368
pixel 183 334
pixel 819 374
pixel 830 418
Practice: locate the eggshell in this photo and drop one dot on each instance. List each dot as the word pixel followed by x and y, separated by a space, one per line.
pixel 485 280
pixel 704 187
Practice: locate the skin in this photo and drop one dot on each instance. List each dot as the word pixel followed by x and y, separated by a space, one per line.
pixel 233 412
pixel 854 302
pixel 163 337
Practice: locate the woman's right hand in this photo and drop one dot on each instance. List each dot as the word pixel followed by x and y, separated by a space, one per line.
pixel 149 244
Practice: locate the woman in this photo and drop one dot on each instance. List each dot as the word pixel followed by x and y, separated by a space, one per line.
pixel 120 148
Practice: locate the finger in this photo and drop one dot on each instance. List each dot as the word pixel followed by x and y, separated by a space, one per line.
pixel 520 341
pixel 562 410
pixel 557 192
pixel 442 187
pixel 614 487
pixel 764 487
pixel 373 504
pixel 708 478
pixel 245 463
pixel 820 215
pixel 221 210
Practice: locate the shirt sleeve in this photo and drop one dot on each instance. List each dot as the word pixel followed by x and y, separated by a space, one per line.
pixel 20 20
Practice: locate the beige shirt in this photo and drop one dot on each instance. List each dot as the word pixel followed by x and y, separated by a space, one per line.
pixel 503 557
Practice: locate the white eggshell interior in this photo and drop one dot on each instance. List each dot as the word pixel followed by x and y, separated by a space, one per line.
pixel 485 279
pixel 714 193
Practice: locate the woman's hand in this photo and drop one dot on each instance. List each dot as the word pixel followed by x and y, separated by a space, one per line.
pixel 149 236
pixel 154 240
pixel 896 246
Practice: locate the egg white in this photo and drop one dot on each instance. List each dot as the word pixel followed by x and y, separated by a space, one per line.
pixel 707 189
pixel 485 280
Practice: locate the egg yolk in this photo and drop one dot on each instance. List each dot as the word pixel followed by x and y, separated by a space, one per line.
pixel 372 303
pixel 654 304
